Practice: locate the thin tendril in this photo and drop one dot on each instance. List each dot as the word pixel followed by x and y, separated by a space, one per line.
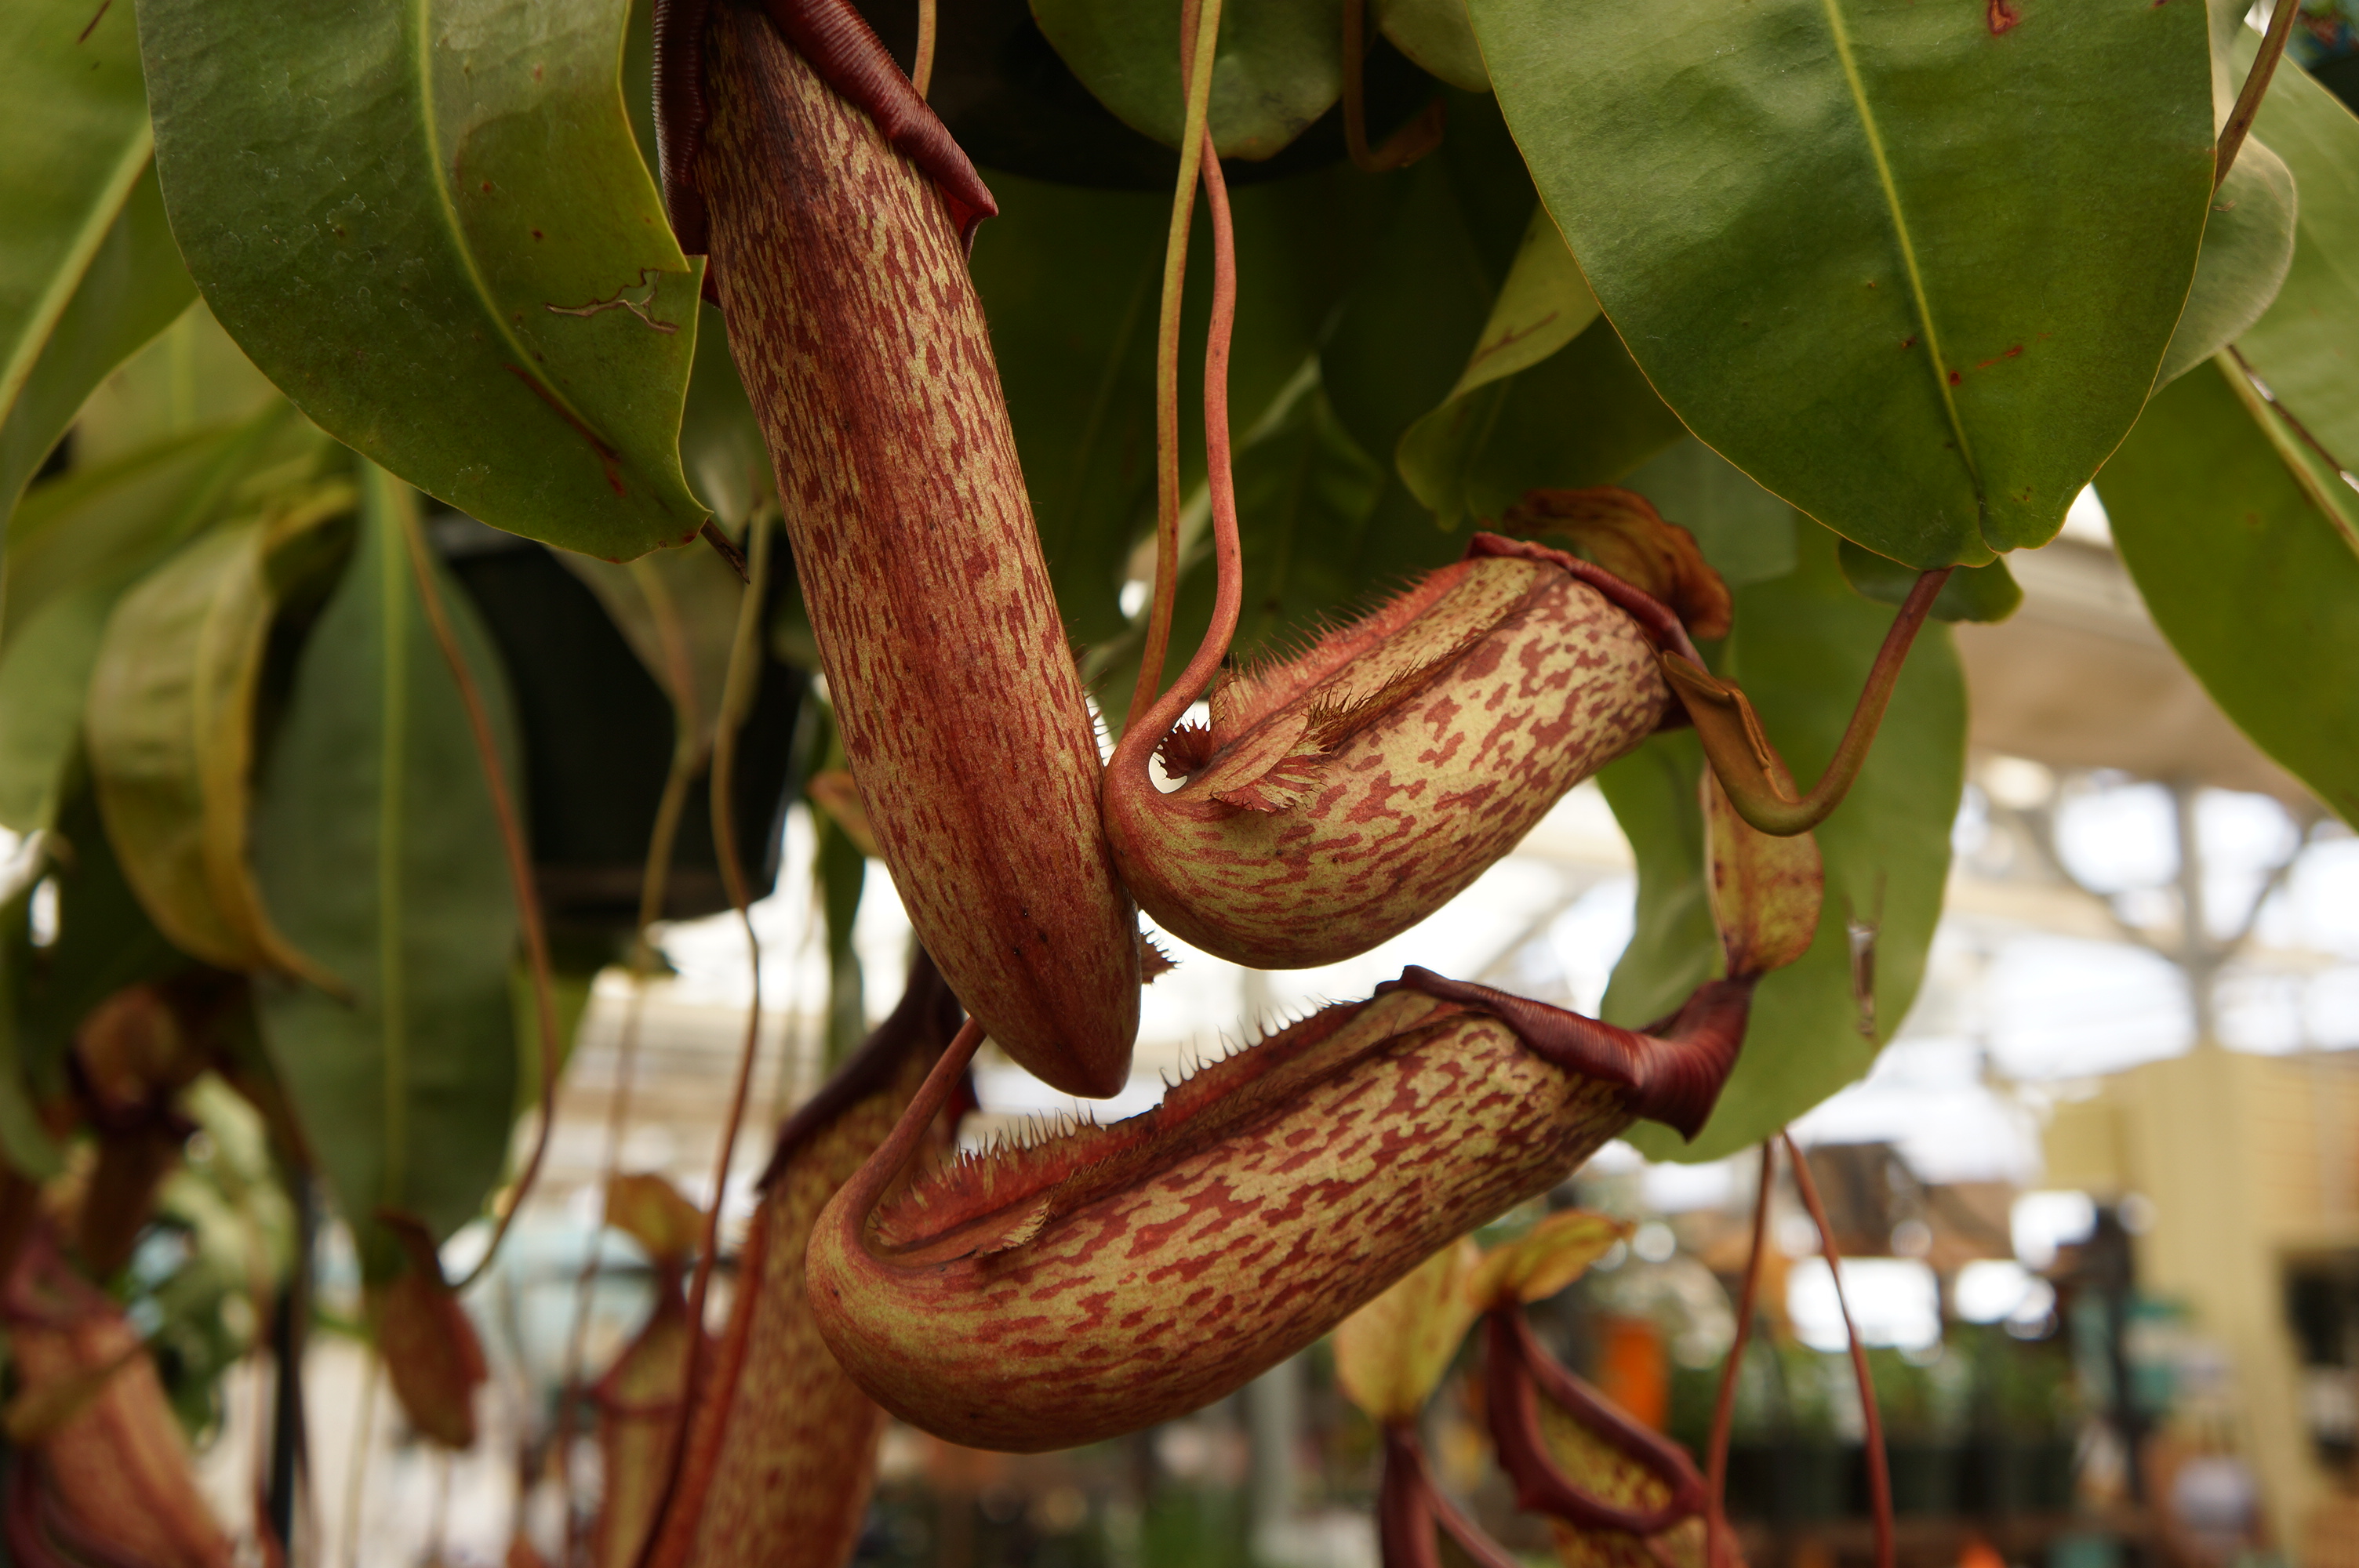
pixel 688 756
pixel 1761 799
pixel 1200 28
pixel 1880 1476
pixel 736 701
pixel 921 69
pixel 520 858
pixel 1723 1408
pixel 1146 729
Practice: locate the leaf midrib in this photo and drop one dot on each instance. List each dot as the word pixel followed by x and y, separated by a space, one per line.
pixel 1916 292
pixel 66 281
pixel 522 359
pixel 394 694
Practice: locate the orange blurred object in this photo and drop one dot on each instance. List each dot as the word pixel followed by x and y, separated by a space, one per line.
pixel 1632 1368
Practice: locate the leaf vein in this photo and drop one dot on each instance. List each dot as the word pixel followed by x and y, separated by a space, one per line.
pixel 1917 291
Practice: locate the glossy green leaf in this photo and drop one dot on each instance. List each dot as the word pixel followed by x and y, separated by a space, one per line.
pixel 2247 249
pixel 1973 593
pixel 133 288
pixel 1584 416
pixel 2306 346
pixel 1306 494
pixel 77 543
pixel 170 725
pixel 1801 647
pixel 73 148
pixel 2246 550
pixel 1746 534
pixel 1544 305
pixel 1401 336
pixel 1674 946
pixel 44 676
pixel 1069 281
pixel 1912 267
pixel 379 856
pixel 721 444
pixel 191 377
pixel 1439 35
pixel 1278 66
pixel 430 226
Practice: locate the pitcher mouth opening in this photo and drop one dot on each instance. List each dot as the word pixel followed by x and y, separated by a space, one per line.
pixel 992 1201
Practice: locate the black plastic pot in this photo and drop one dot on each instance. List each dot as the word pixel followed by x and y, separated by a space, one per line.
pixel 1925 1476
pixel 597 735
pixel 2017 1476
pixel 1796 1482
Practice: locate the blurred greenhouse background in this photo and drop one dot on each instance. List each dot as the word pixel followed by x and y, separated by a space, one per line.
pixel 2134 1040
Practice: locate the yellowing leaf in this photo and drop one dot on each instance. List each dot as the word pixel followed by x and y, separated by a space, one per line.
pixel 170 730
pixel 650 1211
pixel 1390 1354
pixel 1545 1258
pixel 1543 306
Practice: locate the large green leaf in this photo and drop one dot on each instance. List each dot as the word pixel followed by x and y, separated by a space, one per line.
pixel 1306 494
pixel 1543 306
pixel 2307 345
pixel 77 543
pixel 1801 647
pixel 191 377
pixel 430 226
pixel 2243 544
pixel 1911 267
pixel 1583 417
pixel 1439 35
pixel 379 856
pixel 1746 533
pixel 1674 946
pixel 133 288
pixel 2247 248
pixel 1403 331
pixel 170 725
pixel 78 273
pixel 1278 66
